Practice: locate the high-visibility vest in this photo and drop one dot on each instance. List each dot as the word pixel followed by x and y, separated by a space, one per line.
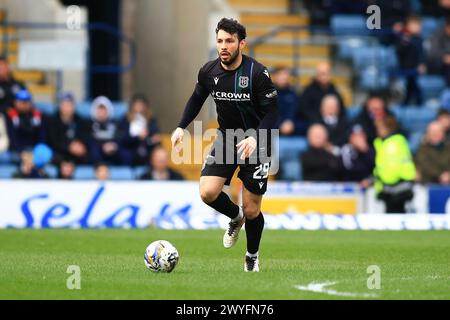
pixel 393 161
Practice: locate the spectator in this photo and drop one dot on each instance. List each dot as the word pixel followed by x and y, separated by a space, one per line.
pixel 320 162
pixel 33 163
pixel 25 127
pixel 159 167
pixel 443 118
pixel 374 108
pixel 309 104
pixel 433 156
pixel 103 132
pixel 67 133
pixel 358 157
pixel 9 87
pixel 439 51
pixel 336 125
pixel 394 168
pixel 66 169
pixel 411 57
pixel 4 140
pixel 139 132
pixel 101 171
pixel 287 104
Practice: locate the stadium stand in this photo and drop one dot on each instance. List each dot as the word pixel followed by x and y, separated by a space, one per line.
pixel 349 45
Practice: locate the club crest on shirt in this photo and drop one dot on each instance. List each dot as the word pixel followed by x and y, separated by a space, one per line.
pixel 243 82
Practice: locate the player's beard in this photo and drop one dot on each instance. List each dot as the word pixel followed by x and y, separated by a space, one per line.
pixel 232 59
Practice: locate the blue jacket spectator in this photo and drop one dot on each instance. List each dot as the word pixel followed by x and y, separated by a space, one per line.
pixel 25 124
pixel 139 132
pixel 287 120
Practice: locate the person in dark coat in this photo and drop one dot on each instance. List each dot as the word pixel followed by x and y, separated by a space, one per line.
pixel 374 108
pixel 103 145
pixel 287 122
pixel 24 124
pixel 358 157
pixel 311 98
pixel 321 161
pixel 139 132
pixel 336 125
pixel 411 58
pixel 67 133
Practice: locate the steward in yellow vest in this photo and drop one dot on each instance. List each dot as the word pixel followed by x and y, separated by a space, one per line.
pixel 394 167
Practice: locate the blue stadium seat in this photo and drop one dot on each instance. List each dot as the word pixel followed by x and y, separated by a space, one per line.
pixel 52 171
pixel 379 56
pixel 345 24
pixel 414 141
pixel 46 107
pixel 290 149
pixel 414 119
pixel 373 78
pixel 291 170
pixel 429 25
pixel 346 46
pixel 432 86
pixel 84 109
pixel 139 171
pixel 7 170
pixel 121 173
pixel 445 99
pixel 84 173
pixel 352 112
pixel 120 109
pixel 8 158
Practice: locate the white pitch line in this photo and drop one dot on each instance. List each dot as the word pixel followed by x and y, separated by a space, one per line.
pixel 320 288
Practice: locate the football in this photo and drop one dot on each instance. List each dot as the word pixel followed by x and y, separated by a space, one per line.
pixel 161 256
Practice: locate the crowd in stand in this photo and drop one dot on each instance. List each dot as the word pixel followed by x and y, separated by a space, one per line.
pixel 370 149
pixel 68 140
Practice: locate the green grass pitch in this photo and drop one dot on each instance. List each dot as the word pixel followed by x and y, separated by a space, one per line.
pixel 413 264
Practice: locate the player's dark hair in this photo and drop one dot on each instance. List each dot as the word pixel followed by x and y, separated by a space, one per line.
pixel 232 27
